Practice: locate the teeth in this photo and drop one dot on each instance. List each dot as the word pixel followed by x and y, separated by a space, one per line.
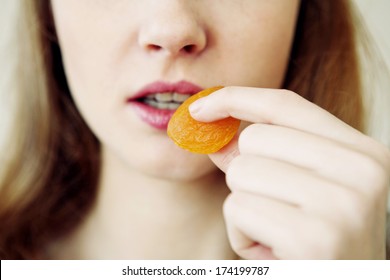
pixel 156 104
pixel 180 97
pixel 163 97
pixel 162 105
pixel 166 100
pixel 173 106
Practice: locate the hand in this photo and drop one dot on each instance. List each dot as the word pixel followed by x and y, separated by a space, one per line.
pixel 304 185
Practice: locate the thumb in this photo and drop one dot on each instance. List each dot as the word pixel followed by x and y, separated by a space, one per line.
pixel 224 156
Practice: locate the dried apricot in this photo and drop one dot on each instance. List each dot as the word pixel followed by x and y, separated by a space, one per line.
pixel 200 137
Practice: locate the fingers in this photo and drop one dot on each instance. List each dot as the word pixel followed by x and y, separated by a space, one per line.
pixel 298 214
pixel 271 106
pixel 317 156
pixel 304 184
pixel 248 223
pixel 285 109
pixel 327 158
pixel 282 231
pixel 223 157
pixel 292 185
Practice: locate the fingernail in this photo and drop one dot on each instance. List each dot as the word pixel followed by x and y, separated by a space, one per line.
pixel 196 106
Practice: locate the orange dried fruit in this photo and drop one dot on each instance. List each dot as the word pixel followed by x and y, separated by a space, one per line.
pixel 200 137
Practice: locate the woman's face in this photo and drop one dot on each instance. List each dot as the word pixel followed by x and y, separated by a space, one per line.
pixel 130 62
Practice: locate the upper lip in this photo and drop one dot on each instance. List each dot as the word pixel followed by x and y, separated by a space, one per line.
pixel 182 87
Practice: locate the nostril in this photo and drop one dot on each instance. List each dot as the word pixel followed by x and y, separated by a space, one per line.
pixel 189 48
pixel 152 47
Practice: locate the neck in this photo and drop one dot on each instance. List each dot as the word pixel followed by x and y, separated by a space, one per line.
pixel 141 217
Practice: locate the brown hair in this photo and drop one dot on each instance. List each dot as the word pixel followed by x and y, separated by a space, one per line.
pixel 50 180
pixel 51 177
pixel 324 66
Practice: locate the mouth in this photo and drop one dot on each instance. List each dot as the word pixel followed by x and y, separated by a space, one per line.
pixel 164 100
pixel 156 102
pixel 166 96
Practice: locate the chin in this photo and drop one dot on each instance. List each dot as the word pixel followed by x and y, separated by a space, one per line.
pixel 177 164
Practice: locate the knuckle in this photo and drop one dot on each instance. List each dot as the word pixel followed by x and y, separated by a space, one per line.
pixel 379 151
pixel 332 242
pixel 282 96
pixel 373 176
pixel 356 208
pixel 325 248
pixel 287 92
pixel 289 95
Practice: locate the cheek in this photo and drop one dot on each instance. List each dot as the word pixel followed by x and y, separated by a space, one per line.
pixel 85 59
pixel 89 47
pixel 90 77
pixel 268 60
pixel 90 59
pixel 259 66
pixel 260 50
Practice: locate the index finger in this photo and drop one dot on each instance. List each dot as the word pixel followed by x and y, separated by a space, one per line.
pixel 272 106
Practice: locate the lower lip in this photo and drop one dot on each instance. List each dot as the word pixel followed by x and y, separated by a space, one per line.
pixel 157 118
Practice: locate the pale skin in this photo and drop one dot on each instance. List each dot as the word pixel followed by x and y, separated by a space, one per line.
pixel 296 185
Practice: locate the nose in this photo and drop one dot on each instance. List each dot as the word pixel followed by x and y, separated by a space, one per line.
pixel 173 31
